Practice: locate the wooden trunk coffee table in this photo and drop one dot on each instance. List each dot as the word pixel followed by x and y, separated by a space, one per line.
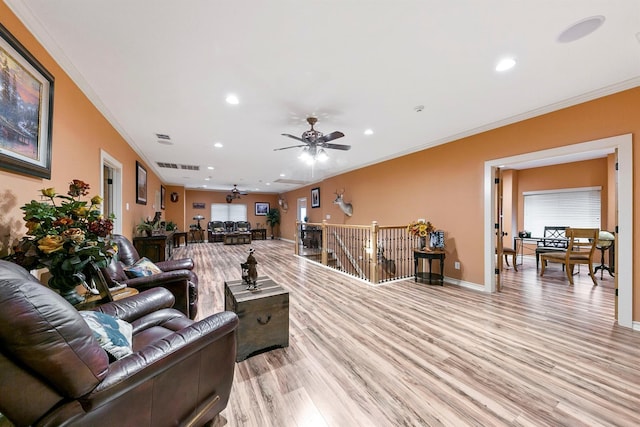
pixel 263 315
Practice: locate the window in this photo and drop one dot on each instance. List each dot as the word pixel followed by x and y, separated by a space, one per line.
pixel 572 207
pixel 228 212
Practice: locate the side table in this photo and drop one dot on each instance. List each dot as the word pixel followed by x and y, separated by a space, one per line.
pixel 438 254
pixel 263 315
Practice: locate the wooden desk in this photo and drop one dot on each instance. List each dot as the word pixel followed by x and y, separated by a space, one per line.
pixel 438 254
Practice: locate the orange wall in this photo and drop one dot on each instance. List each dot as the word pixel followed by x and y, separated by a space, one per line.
pixel 208 197
pixel 445 184
pixel 79 132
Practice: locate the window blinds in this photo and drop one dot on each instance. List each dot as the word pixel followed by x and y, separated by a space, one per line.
pixel 228 212
pixel 574 207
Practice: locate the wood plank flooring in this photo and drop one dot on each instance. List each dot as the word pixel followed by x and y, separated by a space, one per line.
pixel 410 354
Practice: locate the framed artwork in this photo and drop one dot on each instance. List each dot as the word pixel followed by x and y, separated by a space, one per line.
pixel 27 110
pixel 262 208
pixel 315 197
pixel 163 193
pixel 141 184
pixel 198 205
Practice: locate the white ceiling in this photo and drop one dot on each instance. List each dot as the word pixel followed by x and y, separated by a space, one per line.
pixel 165 66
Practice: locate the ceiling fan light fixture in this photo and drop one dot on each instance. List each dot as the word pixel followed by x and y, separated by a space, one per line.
pixel 322 155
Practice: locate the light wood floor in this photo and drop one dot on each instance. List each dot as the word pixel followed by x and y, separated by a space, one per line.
pixel 411 354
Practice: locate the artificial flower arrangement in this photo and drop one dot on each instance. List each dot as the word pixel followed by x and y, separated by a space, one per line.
pixel 64 235
pixel 420 228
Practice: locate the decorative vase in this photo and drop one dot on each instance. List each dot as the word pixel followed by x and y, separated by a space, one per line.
pixel 66 286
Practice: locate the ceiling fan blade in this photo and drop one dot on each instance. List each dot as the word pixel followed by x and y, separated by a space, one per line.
pixel 331 136
pixel 293 136
pixel 337 146
pixel 291 146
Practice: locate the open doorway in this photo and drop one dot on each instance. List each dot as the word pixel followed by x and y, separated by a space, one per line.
pixel 624 265
pixel 111 191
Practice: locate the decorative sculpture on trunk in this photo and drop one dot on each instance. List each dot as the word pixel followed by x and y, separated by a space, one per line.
pixel 250 271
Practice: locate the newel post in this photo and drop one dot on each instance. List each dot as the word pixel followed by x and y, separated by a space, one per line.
pixel 325 255
pixel 373 256
pixel 296 237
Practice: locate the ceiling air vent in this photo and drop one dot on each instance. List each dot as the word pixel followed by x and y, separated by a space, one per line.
pixel 190 167
pixel 164 139
pixel 167 165
pixel 291 181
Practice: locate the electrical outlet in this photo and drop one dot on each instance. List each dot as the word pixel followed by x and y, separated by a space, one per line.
pixel 456 265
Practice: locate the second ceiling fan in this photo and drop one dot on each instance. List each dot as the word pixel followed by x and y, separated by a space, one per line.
pixel 235 194
pixel 314 141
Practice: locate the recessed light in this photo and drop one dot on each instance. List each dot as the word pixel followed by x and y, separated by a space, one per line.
pixel 368 132
pixel 210 168
pixel 268 183
pixel 581 29
pixel 232 99
pixel 505 64
pixel 218 145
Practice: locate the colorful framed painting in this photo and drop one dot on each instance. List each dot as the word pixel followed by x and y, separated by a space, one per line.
pixel 141 184
pixel 26 110
pixel 262 208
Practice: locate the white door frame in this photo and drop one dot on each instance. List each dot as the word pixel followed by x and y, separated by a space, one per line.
pixel 624 268
pixel 107 160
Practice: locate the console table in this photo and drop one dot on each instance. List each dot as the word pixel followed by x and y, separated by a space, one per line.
pixel 438 254
pixel 259 233
pixel 156 248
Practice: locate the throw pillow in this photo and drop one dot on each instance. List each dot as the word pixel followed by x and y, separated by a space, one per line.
pixel 218 230
pixel 113 335
pixel 143 267
pixel 242 229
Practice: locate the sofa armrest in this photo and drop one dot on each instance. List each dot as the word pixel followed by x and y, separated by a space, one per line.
pixel 176 281
pixel 159 358
pixel 176 264
pixel 139 305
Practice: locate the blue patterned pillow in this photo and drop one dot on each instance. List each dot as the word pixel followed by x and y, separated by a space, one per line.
pixel 143 267
pixel 113 335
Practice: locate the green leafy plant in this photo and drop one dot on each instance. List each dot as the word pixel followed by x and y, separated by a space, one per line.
pixel 273 218
pixel 171 226
pixel 64 234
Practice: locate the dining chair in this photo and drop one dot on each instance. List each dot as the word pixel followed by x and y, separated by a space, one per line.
pixel 506 251
pixel 581 245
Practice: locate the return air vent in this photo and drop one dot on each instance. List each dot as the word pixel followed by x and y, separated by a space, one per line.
pixel 190 167
pixel 163 136
pixel 176 166
pixel 167 165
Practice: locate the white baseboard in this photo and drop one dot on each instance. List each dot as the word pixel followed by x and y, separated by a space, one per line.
pixel 464 284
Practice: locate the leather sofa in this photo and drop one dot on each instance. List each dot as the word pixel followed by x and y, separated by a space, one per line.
pixel 177 276
pixel 53 372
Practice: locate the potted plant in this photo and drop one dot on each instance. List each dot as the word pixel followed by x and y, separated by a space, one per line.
pixel 273 219
pixel 64 235
pixel 171 226
pixel 145 227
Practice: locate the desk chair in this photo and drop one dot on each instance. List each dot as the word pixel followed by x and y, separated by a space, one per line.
pixel 510 251
pixel 554 240
pixel 581 245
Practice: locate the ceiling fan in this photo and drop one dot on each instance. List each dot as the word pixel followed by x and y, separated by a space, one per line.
pixel 235 194
pixel 314 142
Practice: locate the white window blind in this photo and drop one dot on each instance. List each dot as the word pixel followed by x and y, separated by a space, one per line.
pixel 574 207
pixel 228 212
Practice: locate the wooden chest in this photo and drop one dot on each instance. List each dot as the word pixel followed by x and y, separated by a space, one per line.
pixel 263 314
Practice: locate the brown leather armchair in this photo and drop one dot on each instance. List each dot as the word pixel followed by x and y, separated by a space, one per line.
pixel 53 372
pixel 177 276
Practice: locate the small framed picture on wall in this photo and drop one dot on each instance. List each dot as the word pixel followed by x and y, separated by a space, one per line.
pixel 141 184
pixel 262 208
pixel 163 194
pixel 315 197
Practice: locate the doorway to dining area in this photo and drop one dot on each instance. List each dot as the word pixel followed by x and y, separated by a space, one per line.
pixel 622 211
